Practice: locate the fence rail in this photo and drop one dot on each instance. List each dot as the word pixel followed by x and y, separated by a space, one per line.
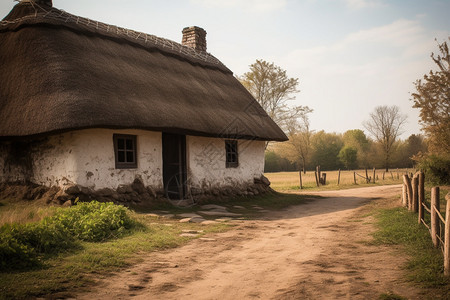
pixel 413 197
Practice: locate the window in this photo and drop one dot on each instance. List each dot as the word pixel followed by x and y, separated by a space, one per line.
pixel 125 151
pixel 231 149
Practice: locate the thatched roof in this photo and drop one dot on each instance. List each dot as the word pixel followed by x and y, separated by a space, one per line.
pixel 60 72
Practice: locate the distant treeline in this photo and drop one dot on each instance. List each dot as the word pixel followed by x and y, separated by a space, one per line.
pixel 351 150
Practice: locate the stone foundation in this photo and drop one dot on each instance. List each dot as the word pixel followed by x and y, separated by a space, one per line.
pixel 134 194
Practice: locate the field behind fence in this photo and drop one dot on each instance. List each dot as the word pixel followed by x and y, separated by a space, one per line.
pixel 284 181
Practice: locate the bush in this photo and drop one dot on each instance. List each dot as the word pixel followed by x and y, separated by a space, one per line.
pixel 94 221
pixel 436 168
pixel 22 244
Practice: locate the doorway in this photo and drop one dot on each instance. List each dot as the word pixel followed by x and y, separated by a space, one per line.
pixel 174 165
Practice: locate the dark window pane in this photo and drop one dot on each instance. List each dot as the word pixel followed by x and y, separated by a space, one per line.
pixel 231 155
pixel 129 144
pixel 130 156
pixel 125 151
pixel 121 144
pixel 121 156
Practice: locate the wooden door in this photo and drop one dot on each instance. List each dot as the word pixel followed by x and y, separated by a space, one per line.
pixel 174 165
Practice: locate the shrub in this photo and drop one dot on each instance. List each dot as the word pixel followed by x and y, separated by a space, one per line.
pixel 436 168
pixel 22 244
pixel 94 221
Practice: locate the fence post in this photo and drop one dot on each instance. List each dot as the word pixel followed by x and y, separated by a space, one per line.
pixel 383 174
pixel 324 175
pixel 354 177
pixel 374 175
pixel 404 196
pixel 421 196
pixel 318 172
pixel 407 181
pixel 339 176
pixel 415 197
pixel 434 217
pixel 367 177
pixel 300 174
pixel 447 237
pixel 317 179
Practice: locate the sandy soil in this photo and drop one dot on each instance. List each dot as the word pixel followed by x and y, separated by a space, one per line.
pixel 311 251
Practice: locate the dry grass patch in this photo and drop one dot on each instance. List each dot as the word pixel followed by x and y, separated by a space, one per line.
pixel 290 181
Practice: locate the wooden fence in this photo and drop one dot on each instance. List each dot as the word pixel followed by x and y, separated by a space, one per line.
pixel 413 197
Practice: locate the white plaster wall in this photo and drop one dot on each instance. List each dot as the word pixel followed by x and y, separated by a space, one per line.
pixel 54 160
pixel 86 157
pixel 206 162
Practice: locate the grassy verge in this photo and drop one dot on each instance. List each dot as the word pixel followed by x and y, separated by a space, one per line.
pixel 397 226
pixel 77 268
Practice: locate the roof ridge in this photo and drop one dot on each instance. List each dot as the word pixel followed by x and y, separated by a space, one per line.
pixel 121 32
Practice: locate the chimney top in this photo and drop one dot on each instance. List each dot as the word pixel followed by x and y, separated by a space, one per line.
pixel 194 37
pixel 44 2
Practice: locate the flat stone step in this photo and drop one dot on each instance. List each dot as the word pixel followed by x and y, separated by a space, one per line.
pixel 213 206
pixel 189 215
pixel 219 213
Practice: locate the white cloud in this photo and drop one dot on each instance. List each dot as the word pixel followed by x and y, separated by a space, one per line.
pixel 360 4
pixel 248 5
pixel 367 68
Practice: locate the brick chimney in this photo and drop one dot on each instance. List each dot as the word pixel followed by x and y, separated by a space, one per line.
pixel 194 37
pixel 44 2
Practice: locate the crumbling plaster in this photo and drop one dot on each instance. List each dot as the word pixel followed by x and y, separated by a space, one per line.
pixel 207 166
pixel 86 157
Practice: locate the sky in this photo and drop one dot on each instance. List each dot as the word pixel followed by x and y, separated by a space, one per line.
pixel 350 56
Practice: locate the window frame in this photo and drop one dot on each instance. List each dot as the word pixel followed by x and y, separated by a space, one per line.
pixel 125 164
pixel 229 152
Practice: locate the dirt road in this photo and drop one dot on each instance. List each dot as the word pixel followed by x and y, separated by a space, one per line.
pixel 310 251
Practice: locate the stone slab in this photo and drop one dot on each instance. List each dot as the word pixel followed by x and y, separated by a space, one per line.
pixel 209 222
pixel 197 220
pixel 185 220
pixel 219 213
pixel 213 206
pixel 189 215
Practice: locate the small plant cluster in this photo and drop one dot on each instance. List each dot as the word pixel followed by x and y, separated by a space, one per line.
pixel 22 245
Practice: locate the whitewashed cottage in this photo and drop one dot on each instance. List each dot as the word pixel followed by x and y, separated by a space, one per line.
pixel 86 106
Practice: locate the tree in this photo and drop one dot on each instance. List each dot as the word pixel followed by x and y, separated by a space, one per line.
pixel 385 125
pixel 415 145
pixel 357 139
pixel 348 156
pixel 272 88
pixel 325 150
pixel 432 97
pixel 300 133
pixel 275 163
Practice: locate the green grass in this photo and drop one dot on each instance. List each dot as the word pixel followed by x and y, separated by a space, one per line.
pixel 77 268
pixel 397 226
pixel 72 268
